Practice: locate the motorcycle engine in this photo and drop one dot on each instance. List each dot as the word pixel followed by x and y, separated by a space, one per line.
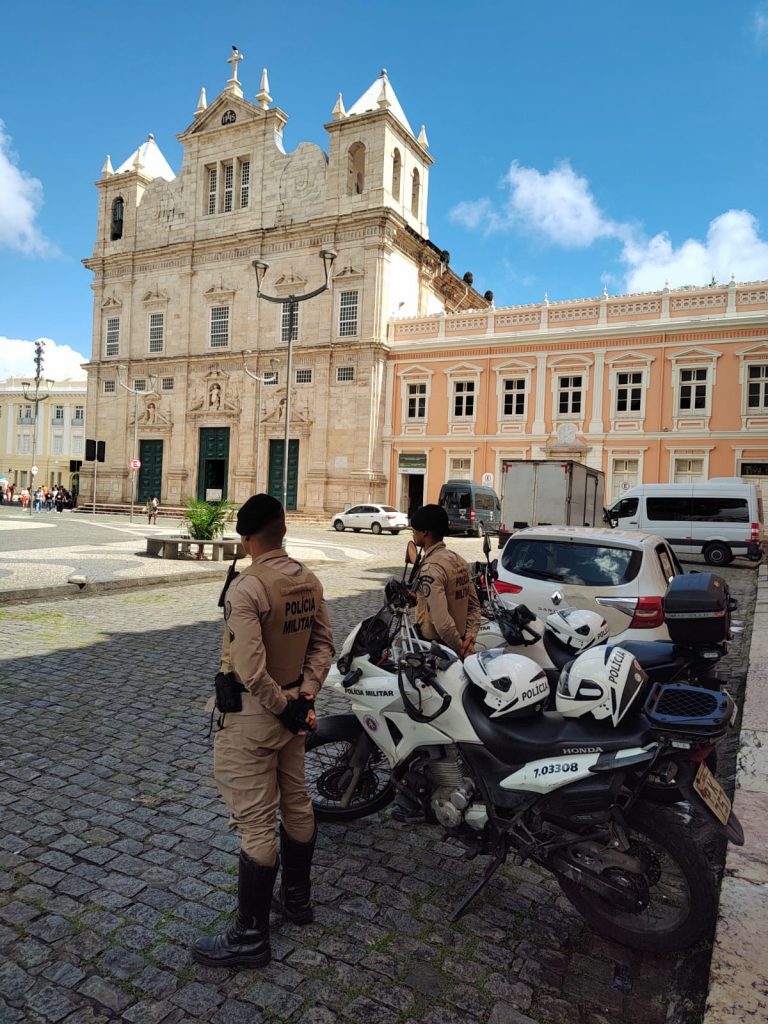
pixel 452 790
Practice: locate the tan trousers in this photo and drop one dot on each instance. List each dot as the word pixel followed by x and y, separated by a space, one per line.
pixel 258 766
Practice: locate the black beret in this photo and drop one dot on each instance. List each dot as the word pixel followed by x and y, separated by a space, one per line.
pixel 432 518
pixel 256 513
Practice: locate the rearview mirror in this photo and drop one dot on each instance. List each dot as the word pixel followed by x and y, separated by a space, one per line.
pixel 486 544
pixel 411 553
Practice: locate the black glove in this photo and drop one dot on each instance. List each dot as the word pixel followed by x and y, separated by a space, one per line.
pixel 294 717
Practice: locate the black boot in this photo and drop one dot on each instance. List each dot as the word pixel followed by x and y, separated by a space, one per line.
pixel 293 899
pixel 246 941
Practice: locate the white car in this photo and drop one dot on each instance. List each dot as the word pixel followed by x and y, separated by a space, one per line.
pixel 370 517
pixel 620 574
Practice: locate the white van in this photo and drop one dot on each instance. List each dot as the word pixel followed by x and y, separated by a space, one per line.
pixel 719 519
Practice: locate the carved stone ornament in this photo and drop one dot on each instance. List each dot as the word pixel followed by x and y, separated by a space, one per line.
pixel 347 271
pixel 220 293
pixel 155 297
pixel 152 415
pixel 112 302
pixel 214 395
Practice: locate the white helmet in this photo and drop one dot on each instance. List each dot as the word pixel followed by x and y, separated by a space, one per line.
pixel 514 686
pixel 604 682
pixel 577 628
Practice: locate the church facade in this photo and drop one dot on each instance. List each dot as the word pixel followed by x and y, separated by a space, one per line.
pixel 188 371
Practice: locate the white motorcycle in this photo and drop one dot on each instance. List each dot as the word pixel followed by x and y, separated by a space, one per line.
pixel 468 746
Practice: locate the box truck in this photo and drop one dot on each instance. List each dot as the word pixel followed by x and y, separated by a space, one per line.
pixel 549 492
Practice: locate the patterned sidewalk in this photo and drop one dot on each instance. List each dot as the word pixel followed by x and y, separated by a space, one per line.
pixel 115 854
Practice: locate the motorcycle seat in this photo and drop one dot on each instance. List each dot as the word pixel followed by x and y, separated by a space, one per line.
pixel 651 653
pixel 549 734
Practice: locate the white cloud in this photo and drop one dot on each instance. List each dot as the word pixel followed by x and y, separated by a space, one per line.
pixel 557 205
pixel 60 362
pixel 732 246
pixel 21 198
pixel 760 25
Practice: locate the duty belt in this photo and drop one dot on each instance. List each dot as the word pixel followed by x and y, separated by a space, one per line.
pixel 284 686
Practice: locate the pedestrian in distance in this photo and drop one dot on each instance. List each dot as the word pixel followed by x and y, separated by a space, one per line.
pixel 153 504
pixel 276 652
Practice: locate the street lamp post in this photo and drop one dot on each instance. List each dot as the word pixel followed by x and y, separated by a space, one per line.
pixel 292 301
pixel 35 399
pixel 135 392
pixel 260 381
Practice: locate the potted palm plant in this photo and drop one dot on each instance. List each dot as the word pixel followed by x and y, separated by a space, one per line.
pixel 206 520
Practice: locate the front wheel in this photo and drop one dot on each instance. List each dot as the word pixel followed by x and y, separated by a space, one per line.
pixel 676 896
pixel 394 532
pixel 376 528
pixel 718 554
pixel 340 792
pixel 338 525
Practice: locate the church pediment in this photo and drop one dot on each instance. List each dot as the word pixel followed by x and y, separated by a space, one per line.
pixel 226 111
pixel 155 297
pixel 112 302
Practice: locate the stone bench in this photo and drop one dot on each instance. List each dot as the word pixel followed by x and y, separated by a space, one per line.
pixel 178 546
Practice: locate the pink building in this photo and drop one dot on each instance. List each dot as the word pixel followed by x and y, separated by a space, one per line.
pixel 656 387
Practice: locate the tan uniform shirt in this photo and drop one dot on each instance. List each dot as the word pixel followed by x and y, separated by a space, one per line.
pixel 247 608
pixel 447 608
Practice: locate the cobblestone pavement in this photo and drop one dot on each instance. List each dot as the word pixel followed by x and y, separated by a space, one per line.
pixel 115 855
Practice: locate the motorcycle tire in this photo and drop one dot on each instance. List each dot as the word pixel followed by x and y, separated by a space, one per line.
pixel 667 792
pixel 327 751
pixel 683 876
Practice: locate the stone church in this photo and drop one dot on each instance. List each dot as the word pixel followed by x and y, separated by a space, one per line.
pixel 189 367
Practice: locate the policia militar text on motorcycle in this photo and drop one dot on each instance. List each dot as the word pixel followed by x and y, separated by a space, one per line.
pixel 447 608
pixel 276 652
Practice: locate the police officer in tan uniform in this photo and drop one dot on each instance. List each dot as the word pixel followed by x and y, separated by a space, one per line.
pixel 447 608
pixel 278 647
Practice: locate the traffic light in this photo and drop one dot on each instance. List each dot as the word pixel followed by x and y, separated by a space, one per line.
pixel 94 450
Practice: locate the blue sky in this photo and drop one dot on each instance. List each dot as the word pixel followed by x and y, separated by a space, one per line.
pixel 578 145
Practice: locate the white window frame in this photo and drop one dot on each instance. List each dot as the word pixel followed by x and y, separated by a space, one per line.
pixel 156 333
pixel 454 473
pixel 694 384
pixel 218 327
pixel 79 414
pixel 112 336
pixel 630 387
pixel 349 313
pixel 701 457
pixel 77 444
pixel 285 327
pixel 419 397
pixel 345 374
pixel 167 383
pixel 58 414
pixel 571 390
pixel 271 378
pixel 228 193
pixel 414 374
pixel 619 473
pixel 108 387
pixel 693 359
pixel 213 185
pixel 139 384
pixel 57 444
pixel 245 183
pixel 762 382
pixel 303 375
pixel 515 393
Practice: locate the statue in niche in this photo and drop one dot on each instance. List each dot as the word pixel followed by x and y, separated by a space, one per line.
pixel 214 397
